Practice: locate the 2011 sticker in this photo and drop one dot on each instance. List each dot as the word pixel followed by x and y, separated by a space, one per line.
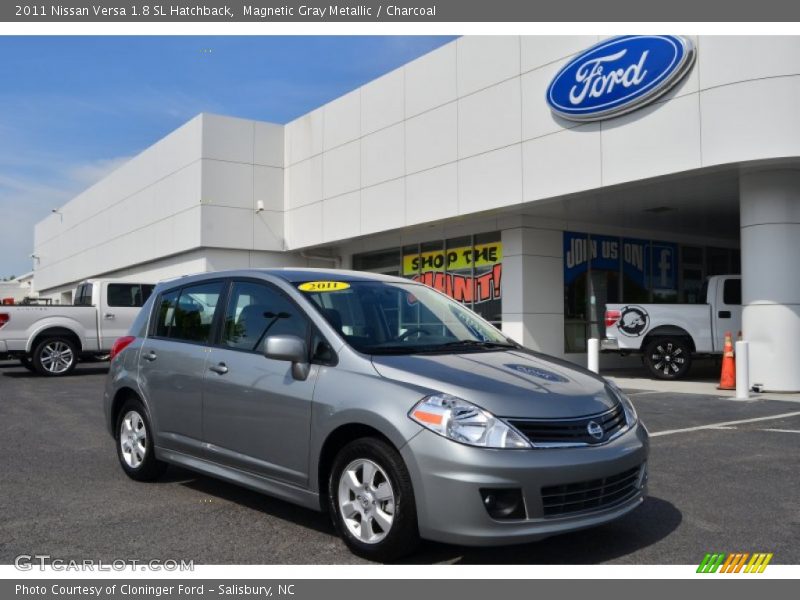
pixel 323 286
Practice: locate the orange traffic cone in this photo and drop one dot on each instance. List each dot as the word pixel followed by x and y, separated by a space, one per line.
pixel 727 380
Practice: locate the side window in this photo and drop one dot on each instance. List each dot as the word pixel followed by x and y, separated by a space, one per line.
pixel 83 295
pixel 165 313
pixel 732 292
pixel 257 310
pixel 132 295
pixel 188 315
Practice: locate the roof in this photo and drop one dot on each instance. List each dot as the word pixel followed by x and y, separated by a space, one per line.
pixel 295 275
pixel 292 275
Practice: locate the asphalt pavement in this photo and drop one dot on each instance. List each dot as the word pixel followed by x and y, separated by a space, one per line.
pixel 729 487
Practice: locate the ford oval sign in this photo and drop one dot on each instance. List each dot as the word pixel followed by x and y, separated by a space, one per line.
pixel 619 75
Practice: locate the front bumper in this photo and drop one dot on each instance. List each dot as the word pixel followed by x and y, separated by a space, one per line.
pixel 448 476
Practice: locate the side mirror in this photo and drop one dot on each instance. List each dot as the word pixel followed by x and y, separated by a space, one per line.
pixel 290 348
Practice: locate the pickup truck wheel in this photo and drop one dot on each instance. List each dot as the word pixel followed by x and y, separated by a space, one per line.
pixel 55 357
pixel 372 500
pixel 668 357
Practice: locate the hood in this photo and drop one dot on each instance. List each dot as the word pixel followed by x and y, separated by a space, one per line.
pixel 514 384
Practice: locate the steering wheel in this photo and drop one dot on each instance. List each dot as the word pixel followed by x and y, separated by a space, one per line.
pixel 411 331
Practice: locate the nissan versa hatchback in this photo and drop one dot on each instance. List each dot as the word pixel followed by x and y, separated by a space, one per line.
pixel 380 400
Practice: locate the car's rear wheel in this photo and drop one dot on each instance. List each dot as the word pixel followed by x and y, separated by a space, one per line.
pixel 372 500
pixel 135 443
pixel 668 357
pixel 55 357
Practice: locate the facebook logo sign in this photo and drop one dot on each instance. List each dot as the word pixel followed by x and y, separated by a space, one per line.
pixel 663 258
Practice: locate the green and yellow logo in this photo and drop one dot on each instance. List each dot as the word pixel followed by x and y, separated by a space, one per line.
pixel 737 562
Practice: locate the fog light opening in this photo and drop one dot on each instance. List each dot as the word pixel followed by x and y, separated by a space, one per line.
pixel 503 503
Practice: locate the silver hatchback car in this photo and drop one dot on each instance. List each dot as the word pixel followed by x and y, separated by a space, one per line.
pixel 380 400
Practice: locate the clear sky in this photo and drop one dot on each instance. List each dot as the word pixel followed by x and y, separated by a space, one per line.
pixel 73 108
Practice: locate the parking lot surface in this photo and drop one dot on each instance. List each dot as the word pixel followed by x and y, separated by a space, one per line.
pixel 723 477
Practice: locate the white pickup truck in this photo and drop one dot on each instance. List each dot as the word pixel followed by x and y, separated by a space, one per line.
pixel 669 335
pixel 49 339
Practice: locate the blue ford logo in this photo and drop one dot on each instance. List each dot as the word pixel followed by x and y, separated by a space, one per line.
pixel 619 75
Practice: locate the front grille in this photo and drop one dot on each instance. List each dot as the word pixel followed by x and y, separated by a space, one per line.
pixel 571 498
pixel 543 432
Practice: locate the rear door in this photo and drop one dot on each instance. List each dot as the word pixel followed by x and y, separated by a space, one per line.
pixel 172 362
pixel 119 305
pixel 727 311
pixel 256 416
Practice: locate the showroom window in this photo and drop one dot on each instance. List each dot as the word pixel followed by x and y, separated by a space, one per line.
pixel 469 269
pixel 601 269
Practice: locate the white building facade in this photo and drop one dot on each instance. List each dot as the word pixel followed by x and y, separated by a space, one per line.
pixel 454 170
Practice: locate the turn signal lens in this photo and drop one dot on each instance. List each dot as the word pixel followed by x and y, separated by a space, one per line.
pixel 120 344
pixel 462 421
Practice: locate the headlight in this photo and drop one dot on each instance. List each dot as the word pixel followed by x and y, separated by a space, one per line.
pixel 630 412
pixel 461 421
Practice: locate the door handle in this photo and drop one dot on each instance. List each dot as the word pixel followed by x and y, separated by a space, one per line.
pixel 109 316
pixel 150 356
pixel 220 369
pixel 724 314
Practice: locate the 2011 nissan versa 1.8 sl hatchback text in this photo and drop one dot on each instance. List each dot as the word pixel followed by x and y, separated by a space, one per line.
pixel 379 399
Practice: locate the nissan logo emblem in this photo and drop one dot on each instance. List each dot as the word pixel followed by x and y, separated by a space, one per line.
pixel 595 430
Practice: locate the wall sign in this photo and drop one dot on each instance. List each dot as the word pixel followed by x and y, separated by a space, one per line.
pixel 619 75
pixel 471 274
pixel 650 264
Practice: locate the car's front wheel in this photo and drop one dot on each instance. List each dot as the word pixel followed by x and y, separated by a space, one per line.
pixel 135 444
pixel 372 500
pixel 668 357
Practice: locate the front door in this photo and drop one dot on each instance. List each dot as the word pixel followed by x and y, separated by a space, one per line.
pixel 119 305
pixel 256 416
pixel 728 315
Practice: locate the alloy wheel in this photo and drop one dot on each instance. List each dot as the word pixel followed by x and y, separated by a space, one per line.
pixel 57 357
pixel 668 358
pixel 133 439
pixel 366 501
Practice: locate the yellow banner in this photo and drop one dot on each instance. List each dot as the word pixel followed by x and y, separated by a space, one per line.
pixel 454 259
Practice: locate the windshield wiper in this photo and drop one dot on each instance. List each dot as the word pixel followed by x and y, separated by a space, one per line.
pixel 393 350
pixel 470 344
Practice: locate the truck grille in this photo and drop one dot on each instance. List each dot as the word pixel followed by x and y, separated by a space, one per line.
pixel 571 498
pixel 572 432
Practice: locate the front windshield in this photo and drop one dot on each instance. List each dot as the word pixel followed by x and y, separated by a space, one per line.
pixel 377 317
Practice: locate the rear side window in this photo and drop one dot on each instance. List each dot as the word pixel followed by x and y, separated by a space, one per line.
pixel 255 311
pixel 188 315
pixel 132 295
pixel 83 295
pixel 165 313
pixel 732 292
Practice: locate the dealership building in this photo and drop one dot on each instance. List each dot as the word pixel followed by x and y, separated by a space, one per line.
pixel 464 170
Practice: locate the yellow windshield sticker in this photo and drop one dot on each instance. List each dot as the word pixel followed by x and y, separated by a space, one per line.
pixel 323 286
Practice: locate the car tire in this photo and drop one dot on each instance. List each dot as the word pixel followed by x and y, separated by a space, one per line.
pixel 668 358
pixel 134 441
pixel 55 357
pixel 26 362
pixel 372 500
